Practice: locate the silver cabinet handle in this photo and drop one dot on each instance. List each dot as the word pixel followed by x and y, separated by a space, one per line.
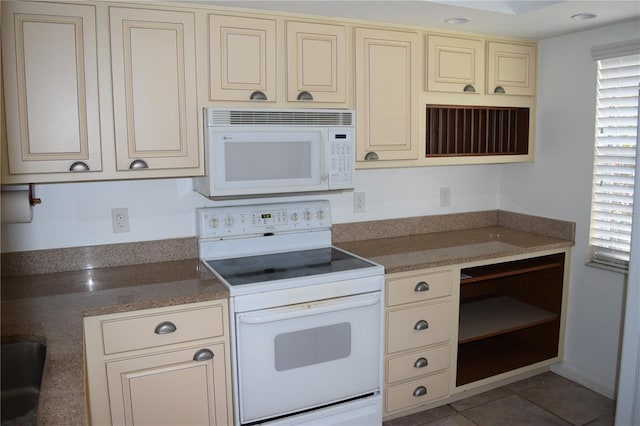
pixel 305 96
pixel 469 88
pixel 421 325
pixel 421 363
pixel 420 391
pixel 165 327
pixel 203 355
pixel 258 96
pixel 499 89
pixel 421 286
pixel 371 156
pixel 79 166
pixel 138 164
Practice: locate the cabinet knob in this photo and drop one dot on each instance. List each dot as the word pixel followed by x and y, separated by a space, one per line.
pixel 305 96
pixel 371 156
pixel 258 96
pixel 421 325
pixel 138 164
pixel 421 362
pixel 79 166
pixel 499 89
pixel 203 355
pixel 165 327
pixel 420 391
pixel 422 286
pixel 469 88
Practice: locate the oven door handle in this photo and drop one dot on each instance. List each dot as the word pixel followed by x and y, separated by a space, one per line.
pixel 303 310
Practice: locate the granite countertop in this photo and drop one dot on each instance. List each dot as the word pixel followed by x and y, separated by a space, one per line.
pixel 50 307
pixel 413 252
pixel 42 302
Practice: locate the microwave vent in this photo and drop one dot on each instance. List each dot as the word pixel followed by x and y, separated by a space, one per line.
pixel 272 117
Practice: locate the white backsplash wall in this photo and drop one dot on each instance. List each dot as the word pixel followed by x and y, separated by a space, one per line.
pixel 79 214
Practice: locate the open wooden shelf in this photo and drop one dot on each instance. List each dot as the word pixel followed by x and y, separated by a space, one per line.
pixel 498 315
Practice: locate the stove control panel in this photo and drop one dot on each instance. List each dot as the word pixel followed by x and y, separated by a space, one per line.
pixel 259 219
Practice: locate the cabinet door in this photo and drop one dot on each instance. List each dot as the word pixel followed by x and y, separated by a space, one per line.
pixel 51 87
pixel 511 67
pixel 316 62
pixel 386 94
pixel 170 388
pixel 154 89
pixel 242 58
pixel 455 65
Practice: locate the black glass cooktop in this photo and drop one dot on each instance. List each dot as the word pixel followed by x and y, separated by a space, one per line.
pixel 280 266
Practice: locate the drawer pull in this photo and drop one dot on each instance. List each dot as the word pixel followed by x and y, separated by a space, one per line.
pixel 422 286
pixel 420 391
pixel 421 362
pixel 421 325
pixel 165 327
pixel 203 355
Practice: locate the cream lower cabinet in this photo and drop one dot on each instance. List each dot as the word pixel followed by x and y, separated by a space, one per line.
pixel 386 73
pixel 165 366
pixel 153 66
pixel 49 57
pixel 418 329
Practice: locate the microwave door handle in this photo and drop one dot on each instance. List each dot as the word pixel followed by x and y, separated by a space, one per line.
pixel 298 312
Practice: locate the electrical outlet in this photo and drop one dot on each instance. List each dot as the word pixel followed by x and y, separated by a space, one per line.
pixel 358 202
pixel 120 219
pixel 445 197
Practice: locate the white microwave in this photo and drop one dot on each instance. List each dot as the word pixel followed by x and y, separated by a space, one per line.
pixel 261 152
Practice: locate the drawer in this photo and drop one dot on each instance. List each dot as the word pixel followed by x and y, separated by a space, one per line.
pixel 419 287
pixel 417 364
pixel 417 392
pixel 139 332
pixel 418 326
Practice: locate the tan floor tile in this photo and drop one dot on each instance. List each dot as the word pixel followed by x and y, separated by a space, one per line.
pixel 570 401
pixel 511 411
pixel 421 417
pixel 482 398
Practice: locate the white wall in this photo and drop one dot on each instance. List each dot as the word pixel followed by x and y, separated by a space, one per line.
pixel 558 184
pixel 79 214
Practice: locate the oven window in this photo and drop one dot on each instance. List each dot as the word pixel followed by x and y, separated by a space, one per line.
pixel 311 346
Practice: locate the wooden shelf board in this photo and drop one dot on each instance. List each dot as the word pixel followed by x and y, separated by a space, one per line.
pixel 498 315
pixel 471 279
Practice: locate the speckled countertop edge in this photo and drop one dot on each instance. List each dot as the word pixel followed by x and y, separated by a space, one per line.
pixel 38 299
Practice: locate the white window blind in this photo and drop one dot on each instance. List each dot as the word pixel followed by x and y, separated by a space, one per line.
pixel 614 164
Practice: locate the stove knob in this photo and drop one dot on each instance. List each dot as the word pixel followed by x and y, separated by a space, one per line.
pixel 213 223
pixel 294 217
pixel 307 215
pixel 320 214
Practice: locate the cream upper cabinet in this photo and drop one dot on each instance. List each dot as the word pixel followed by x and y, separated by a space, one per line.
pixel 386 74
pixel 316 62
pixel 50 87
pixel 455 64
pixel 154 90
pixel 511 69
pixel 242 58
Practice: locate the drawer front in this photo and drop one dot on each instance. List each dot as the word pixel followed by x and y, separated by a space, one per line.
pixel 417 364
pixel 417 392
pixel 419 326
pixel 147 331
pixel 419 287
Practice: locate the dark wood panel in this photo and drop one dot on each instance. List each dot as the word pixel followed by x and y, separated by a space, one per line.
pixel 476 130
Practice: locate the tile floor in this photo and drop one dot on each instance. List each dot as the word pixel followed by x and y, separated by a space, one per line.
pixel 546 399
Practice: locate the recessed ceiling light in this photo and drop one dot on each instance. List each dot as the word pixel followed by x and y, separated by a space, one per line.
pixel 583 16
pixel 456 21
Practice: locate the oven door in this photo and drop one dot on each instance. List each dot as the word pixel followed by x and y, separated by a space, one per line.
pixel 303 356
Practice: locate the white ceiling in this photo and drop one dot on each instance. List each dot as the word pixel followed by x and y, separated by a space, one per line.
pixel 535 19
